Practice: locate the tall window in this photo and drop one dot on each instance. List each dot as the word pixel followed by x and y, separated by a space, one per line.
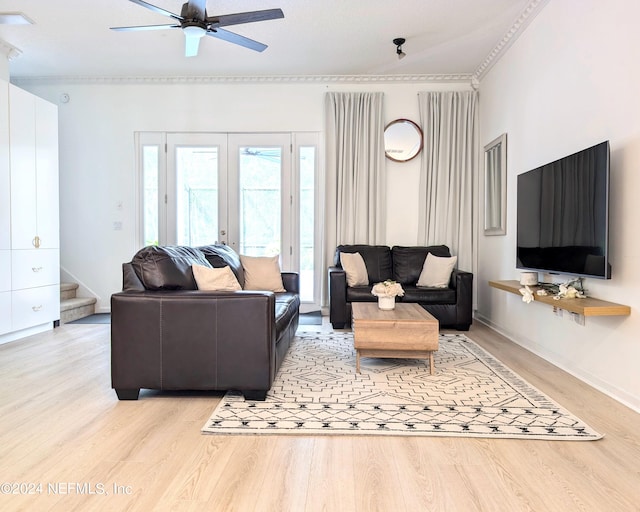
pixel 150 190
pixel 307 166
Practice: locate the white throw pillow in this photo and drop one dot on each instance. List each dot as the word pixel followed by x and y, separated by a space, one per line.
pixel 354 267
pixel 436 271
pixel 215 279
pixel 262 273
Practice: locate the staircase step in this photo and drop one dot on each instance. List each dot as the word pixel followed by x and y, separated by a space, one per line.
pixel 73 309
pixel 68 290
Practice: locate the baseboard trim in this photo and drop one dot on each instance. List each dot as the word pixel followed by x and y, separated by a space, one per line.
pixel 619 395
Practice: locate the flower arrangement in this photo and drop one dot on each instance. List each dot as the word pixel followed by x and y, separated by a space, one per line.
pixel 387 288
pixel 527 294
pixel 570 290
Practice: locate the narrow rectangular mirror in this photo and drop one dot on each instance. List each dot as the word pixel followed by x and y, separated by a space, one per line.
pixel 495 186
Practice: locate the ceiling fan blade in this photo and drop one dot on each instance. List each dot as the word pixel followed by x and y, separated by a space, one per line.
pixel 225 20
pixel 230 37
pixel 157 9
pixel 191 44
pixel 145 27
pixel 195 9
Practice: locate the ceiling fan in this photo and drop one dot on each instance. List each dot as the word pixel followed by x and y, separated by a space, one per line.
pixel 195 24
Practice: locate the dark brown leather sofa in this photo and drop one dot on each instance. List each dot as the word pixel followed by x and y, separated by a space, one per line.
pixel 168 335
pixel 452 306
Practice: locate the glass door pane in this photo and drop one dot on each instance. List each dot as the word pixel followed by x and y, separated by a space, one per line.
pixel 259 195
pixel 196 195
pixel 196 191
pixel 150 198
pixel 306 163
pixel 260 188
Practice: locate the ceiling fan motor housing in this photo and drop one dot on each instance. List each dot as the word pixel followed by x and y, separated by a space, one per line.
pixel 192 12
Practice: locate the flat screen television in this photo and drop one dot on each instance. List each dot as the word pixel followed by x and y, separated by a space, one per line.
pixel 563 215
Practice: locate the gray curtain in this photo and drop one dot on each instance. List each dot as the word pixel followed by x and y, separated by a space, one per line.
pixel 449 166
pixel 355 194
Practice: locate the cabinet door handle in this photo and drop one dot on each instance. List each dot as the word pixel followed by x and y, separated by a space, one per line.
pixel 36 242
pixel 36 269
pixel 36 308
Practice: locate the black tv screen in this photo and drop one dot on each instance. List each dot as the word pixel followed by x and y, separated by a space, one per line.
pixel 563 215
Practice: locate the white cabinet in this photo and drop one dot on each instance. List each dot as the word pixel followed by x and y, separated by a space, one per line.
pixel 47 193
pixel 5 271
pixel 5 213
pixel 5 180
pixel 29 214
pixel 5 312
pixel 35 267
pixel 34 306
pixel 5 291
pixel 33 135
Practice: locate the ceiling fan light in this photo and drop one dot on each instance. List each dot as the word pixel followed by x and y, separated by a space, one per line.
pixel 194 31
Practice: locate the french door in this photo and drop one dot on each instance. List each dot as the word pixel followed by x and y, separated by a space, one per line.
pixel 255 192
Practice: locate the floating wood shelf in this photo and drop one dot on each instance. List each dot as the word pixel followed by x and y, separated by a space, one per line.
pixel 585 307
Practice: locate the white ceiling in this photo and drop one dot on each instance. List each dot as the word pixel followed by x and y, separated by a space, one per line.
pixel 71 38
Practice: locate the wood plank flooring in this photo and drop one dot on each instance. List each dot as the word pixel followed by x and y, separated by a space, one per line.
pixel 61 426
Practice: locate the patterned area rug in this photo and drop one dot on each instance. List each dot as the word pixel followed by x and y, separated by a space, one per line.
pixel 471 394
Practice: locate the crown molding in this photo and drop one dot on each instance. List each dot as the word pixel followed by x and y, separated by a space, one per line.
pixel 532 9
pixel 276 79
pixel 10 51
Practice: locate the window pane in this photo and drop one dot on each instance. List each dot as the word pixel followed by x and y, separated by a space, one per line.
pixel 307 221
pixel 150 198
pixel 197 195
pixel 260 209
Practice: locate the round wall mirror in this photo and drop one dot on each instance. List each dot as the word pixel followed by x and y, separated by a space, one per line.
pixel 402 140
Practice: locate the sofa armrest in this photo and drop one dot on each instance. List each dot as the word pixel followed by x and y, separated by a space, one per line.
pixel 291 282
pixel 338 297
pixel 462 281
pixel 460 277
pixel 193 340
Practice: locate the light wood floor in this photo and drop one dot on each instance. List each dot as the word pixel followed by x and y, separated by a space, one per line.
pixel 62 426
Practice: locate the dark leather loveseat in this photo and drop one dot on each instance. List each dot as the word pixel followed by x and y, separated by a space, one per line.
pixel 452 306
pixel 168 335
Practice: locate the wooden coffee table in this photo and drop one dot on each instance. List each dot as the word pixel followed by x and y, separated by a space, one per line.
pixel 408 331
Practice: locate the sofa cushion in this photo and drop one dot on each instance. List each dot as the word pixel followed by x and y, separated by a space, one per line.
pixel 215 279
pixel 377 259
pixel 355 268
pixel 262 273
pixel 221 255
pixel 167 267
pixel 428 295
pixel 436 271
pixel 408 261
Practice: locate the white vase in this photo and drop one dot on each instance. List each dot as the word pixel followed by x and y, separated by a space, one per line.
pixel 387 303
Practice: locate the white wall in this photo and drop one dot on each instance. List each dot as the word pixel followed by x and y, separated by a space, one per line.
pixel 570 81
pixel 4 68
pixel 97 162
